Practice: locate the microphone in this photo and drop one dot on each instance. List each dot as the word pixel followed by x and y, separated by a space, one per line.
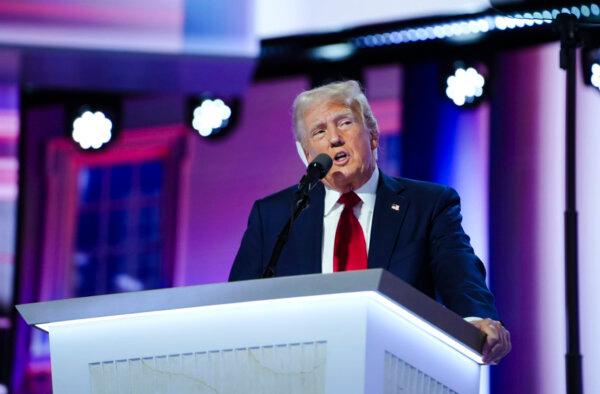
pixel 316 170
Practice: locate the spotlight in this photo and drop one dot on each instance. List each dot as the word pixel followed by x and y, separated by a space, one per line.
pixel 210 117
pixel 92 130
pixel 92 120
pixel 595 78
pixel 465 86
pixel 590 65
pixel 336 52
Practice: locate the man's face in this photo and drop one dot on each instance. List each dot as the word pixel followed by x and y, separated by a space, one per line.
pixel 335 129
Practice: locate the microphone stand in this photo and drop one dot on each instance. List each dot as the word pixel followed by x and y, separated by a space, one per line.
pixel 302 202
pixel 569 41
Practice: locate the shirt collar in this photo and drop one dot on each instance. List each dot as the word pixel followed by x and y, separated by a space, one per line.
pixel 366 193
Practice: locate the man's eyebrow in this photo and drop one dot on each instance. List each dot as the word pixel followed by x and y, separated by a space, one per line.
pixel 317 125
pixel 336 118
pixel 343 115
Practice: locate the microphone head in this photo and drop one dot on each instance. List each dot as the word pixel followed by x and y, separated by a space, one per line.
pixel 322 163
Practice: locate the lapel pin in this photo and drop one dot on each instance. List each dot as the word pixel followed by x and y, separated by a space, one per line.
pixel 395 207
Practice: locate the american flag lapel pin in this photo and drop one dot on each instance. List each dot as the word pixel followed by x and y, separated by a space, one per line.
pixel 395 207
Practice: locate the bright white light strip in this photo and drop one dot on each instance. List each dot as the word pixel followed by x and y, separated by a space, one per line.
pixel 424 325
pixel 371 295
pixel 471 27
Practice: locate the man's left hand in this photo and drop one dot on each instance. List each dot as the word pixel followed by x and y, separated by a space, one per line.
pixel 497 342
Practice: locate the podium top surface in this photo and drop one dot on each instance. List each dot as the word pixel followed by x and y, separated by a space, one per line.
pixel 373 280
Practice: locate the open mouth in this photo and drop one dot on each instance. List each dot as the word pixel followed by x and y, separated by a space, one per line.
pixel 340 157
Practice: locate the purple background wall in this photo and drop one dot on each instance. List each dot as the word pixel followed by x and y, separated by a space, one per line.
pixel 227 175
pixel 513 223
pixel 588 146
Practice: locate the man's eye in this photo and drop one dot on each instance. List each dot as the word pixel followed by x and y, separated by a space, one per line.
pixel 346 122
pixel 317 132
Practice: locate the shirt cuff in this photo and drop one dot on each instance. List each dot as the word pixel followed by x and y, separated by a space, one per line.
pixel 472 318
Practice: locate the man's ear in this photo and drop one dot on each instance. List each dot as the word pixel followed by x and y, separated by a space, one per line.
pixel 374 140
pixel 375 144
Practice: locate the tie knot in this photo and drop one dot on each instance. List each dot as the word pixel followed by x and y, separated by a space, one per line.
pixel 349 200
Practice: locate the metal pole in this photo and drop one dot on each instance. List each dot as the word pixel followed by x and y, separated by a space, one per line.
pixel 569 43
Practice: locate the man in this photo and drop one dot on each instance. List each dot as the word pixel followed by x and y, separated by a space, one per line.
pixel 360 218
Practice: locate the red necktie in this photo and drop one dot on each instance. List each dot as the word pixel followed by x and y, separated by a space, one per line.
pixel 350 249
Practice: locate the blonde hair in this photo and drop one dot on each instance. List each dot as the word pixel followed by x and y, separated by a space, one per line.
pixel 345 92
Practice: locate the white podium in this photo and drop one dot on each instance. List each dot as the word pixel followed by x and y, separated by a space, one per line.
pixel 349 332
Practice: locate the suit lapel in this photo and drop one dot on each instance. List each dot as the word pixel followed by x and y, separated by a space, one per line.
pixel 388 215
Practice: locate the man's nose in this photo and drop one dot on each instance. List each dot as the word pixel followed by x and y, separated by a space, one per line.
pixel 335 137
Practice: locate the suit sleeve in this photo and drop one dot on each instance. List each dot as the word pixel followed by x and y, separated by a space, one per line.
pixel 248 263
pixel 459 275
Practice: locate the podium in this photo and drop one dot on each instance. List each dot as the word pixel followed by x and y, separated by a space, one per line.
pixel 348 332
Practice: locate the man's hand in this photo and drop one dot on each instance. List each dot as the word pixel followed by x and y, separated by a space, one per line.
pixel 497 343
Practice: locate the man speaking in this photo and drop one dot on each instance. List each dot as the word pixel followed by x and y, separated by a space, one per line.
pixel 359 218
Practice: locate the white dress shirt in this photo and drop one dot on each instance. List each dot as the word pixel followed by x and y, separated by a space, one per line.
pixel 333 210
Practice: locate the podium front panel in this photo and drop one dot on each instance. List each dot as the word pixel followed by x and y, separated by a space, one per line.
pixel 321 344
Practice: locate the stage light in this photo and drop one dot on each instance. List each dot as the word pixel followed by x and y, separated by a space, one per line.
pixel 590 66
pixel 92 130
pixel 585 11
pixel 211 117
pixel 595 78
pixel 465 86
pixel 472 27
pixel 335 52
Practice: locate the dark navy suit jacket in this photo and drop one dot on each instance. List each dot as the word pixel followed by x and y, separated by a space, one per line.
pixel 416 234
